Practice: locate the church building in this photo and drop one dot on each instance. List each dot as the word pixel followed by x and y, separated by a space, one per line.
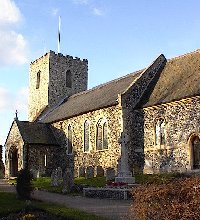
pixel 69 126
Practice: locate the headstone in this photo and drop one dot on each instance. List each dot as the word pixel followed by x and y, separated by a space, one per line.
pixel 68 181
pixel 100 171
pixel 81 172
pixel 110 174
pixel 124 174
pixel 59 175
pixel 54 178
pixel 89 172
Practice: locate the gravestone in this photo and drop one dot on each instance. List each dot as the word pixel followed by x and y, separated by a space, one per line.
pixel 54 178
pixel 124 174
pixel 89 172
pixel 100 171
pixel 81 172
pixel 68 180
pixel 110 174
pixel 59 175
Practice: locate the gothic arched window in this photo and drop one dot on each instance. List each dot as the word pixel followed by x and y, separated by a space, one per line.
pixel 160 132
pixel 68 79
pixel 38 80
pixel 99 135
pixel 105 136
pixel 86 136
pixel 196 152
pixel 102 135
pixel 69 140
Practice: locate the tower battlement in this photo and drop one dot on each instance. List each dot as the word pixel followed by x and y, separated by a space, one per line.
pixel 53 77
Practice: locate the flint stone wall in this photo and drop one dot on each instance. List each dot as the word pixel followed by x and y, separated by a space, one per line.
pixel 34 154
pixel 38 98
pixel 41 159
pixel 59 65
pixel 182 120
pixel 129 101
pixel 105 158
pixel 14 140
pixel 53 89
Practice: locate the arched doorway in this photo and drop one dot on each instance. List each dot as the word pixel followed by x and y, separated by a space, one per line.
pixel 13 161
pixel 195 152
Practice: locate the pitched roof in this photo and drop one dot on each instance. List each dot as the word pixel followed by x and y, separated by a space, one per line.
pixel 99 97
pixel 180 78
pixel 36 133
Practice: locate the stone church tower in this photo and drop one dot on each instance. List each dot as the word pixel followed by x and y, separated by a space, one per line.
pixel 53 78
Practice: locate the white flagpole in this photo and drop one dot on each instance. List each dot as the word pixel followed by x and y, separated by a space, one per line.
pixel 59 24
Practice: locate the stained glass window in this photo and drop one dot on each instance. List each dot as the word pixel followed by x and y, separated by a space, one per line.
pixel 99 135
pixel 160 132
pixel 102 135
pixel 86 136
pixel 105 136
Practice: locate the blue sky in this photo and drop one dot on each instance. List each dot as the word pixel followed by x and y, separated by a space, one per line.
pixel 117 37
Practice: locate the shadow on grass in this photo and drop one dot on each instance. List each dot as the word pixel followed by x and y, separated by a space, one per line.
pixel 10 204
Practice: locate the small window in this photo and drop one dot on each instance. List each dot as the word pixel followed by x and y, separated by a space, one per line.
pixel 101 135
pixel 38 80
pixel 86 136
pixel 69 140
pixel 45 160
pixel 69 79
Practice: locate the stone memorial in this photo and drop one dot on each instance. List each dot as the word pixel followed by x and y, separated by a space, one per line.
pixel 54 178
pixel 68 181
pixel 124 174
pixel 59 175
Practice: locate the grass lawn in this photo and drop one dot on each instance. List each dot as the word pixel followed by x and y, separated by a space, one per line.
pixel 10 204
pixel 44 183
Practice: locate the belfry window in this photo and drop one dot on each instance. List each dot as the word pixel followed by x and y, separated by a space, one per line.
pixel 101 135
pixel 38 80
pixel 86 136
pixel 69 140
pixel 68 79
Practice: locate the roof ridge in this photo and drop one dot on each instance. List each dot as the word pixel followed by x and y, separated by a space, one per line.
pixel 184 55
pixel 106 83
pixel 31 122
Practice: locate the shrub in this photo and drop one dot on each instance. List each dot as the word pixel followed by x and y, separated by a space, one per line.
pixel 24 186
pixel 178 199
